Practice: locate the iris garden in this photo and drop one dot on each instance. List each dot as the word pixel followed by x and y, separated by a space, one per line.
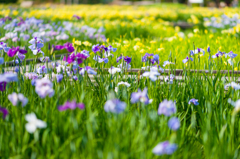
pixel 80 98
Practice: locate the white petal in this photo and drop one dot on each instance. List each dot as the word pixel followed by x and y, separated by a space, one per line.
pixel 30 117
pixel 41 124
pixel 31 127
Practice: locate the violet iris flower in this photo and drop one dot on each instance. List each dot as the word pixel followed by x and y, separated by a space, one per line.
pixel 77 17
pixel 59 77
pixel 174 123
pixel 80 58
pixel 71 105
pixel 14 50
pixel 4 111
pixel 126 59
pixel 114 106
pixel 193 101
pixel 68 46
pixel 95 48
pixel 167 108
pixel 164 148
pixel 218 54
pixel 99 59
pixel 145 57
pixel 140 96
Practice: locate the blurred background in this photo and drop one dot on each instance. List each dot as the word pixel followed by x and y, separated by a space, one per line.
pixel 207 3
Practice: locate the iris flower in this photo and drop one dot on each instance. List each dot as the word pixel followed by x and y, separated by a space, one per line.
pixel 167 108
pixel 17 98
pixel 114 106
pixel 235 104
pixel 174 123
pixel 233 85
pixel 34 123
pixel 193 101
pixel 186 59
pixel 44 88
pixel 140 96
pixel 152 75
pixel 4 111
pixel 164 148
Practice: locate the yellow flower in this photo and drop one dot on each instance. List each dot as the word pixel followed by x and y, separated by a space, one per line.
pixel 142 51
pixel 152 42
pixel 235 69
pixel 86 43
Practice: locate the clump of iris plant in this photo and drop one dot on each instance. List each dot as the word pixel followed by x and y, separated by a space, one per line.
pixel 102 53
pixel 164 148
pixel 114 106
pixel 71 105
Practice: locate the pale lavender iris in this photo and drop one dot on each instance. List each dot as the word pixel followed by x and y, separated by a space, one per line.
pixel 193 101
pixel 231 55
pixel 164 148
pixel 4 111
pixel 167 108
pixel 15 98
pixel 44 87
pixel 114 106
pixel 174 123
pixel 140 96
pixel 71 105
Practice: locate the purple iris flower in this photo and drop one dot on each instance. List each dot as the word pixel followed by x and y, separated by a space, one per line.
pixel 77 17
pixel 145 57
pixel 80 58
pixel 156 57
pixel 218 54
pixel 231 55
pixel 127 59
pixel 3 86
pixel 119 58
pixel 14 50
pixel 69 47
pixel 208 49
pixel 193 101
pixel 186 59
pixel 174 123
pixel 71 105
pixel 4 111
pixel 75 78
pixel 140 96
pixel 71 58
pixel 164 148
pixel 58 47
pixel 114 106
pixel 59 77
pixel 167 108
pixel 95 48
